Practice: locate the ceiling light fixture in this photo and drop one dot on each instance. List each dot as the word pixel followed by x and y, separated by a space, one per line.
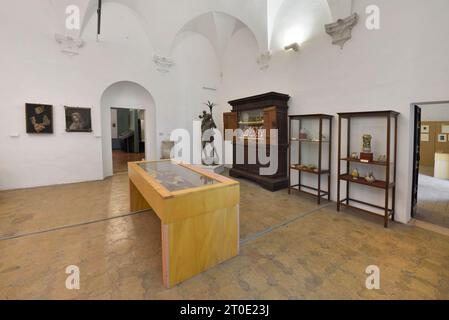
pixel 294 46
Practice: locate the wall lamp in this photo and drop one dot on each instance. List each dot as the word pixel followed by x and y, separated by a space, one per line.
pixel 294 46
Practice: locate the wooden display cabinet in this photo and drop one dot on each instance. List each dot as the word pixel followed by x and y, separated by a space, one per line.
pixel 196 234
pixel 250 115
pixel 388 184
pixel 317 144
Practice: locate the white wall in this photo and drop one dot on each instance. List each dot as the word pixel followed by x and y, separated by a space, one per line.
pixel 435 112
pixel 34 70
pixel 404 62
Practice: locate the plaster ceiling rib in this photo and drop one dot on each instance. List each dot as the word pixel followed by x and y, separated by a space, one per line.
pixel 340 8
pixel 273 7
pixel 90 12
pixel 217 27
pixel 297 21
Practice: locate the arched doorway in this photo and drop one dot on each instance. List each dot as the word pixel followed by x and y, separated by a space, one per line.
pixel 129 95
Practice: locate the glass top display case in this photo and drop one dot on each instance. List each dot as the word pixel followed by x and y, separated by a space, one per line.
pixel 175 177
pixel 198 211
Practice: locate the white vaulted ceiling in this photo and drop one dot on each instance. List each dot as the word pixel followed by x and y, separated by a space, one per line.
pixel 217 27
pixel 299 21
pixel 165 22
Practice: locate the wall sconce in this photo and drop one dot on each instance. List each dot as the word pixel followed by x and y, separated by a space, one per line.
pixel 294 46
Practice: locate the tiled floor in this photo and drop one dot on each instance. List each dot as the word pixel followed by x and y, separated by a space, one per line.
pixel 307 253
pixel 120 160
pixel 33 210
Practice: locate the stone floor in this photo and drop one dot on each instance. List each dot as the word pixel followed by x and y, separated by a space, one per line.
pixel 433 201
pixel 38 209
pixel 291 249
pixel 120 160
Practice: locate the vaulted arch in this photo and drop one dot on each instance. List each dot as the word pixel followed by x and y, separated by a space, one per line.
pixel 297 21
pixel 90 12
pixel 217 27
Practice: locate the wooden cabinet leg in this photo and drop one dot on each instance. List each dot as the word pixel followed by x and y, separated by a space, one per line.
pixel 136 200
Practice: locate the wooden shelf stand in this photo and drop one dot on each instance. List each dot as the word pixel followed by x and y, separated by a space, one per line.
pixel 388 184
pixel 318 192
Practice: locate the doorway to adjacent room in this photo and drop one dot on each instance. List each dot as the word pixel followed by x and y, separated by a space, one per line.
pixel 128 137
pixel 431 163
pixel 134 99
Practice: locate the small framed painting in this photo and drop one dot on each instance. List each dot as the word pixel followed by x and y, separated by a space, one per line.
pixel 39 118
pixel 78 119
pixel 442 138
pixel 424 137
pixel 445 129
pixel 425 129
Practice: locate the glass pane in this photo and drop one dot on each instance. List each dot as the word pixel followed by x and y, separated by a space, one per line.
pixel 250 122
pixel 175 177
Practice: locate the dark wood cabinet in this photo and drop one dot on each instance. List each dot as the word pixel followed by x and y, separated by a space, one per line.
pixel 252 120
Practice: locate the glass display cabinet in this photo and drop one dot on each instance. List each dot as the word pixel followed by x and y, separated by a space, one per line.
pixel 310 155
pixel 380 169
pixel 199 213
pixel 252 125
pixel 252 119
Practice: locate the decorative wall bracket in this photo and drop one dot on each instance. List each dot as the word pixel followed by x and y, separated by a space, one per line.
pixel 264 60
pixel 70 46
pixel 341 31
pixel 163 64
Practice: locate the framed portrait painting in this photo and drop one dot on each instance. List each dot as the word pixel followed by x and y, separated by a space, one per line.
pixel 39 118
pixel 78 119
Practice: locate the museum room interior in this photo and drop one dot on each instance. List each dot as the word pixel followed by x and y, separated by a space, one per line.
pixel 224 149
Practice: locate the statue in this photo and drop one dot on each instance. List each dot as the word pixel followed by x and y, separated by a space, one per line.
pixel 355 174
pixel 207 127
pixel 367 143
pixel 370 178
pixel 366 155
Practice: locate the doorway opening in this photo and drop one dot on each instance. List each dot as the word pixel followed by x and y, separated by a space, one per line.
pixel 430 196
pixel 137 100
pixel 127 137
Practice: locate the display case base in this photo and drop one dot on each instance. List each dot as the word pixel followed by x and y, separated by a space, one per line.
pixel 266 182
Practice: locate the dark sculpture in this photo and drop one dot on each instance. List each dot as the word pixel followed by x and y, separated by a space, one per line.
pixel 207 127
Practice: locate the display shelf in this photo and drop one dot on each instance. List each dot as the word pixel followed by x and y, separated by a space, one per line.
pixel 251 123
pixel 309 141
pixel 320 120
pixel 374 163
pixel 376 184
pixel 250 138
pixel 388 184
pixel 309 171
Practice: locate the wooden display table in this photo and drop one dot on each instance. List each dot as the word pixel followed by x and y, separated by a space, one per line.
pixel 199 213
